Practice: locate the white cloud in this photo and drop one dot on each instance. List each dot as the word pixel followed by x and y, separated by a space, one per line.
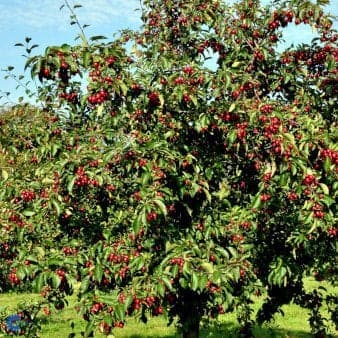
pixel 41 14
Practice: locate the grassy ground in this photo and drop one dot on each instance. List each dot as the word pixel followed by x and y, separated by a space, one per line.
pixel 292 325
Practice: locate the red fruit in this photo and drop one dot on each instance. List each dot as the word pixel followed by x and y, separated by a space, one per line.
pixel 154 99
pixel 104 328
pixel 27 195
pixel 46 311
pixel 189 70
pixel 292 196
pixel 235 94
pixel 265 197
pixel 309 180
pixel 152 216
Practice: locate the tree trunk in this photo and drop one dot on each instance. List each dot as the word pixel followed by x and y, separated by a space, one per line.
pixel 192 330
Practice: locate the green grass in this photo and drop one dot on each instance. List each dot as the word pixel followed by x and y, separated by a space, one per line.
pixel 293 325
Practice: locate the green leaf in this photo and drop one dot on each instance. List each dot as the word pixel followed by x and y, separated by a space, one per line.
pixel 202 282
pixel 167 283
pixel 56 281
pixel 120 311
pixel 233 251
pixel 324 188
pixel 174 271
pixel 256 202
pixel 232 136
pixel 161 289
pixel 57 207
pixel 84 284
pixel 28 213
pixel 146 177
pixel 32 258
pixel 39 282
pixel 98 272
pixel 232 107
pixel 86 59
pixel 208 267
pixel 97 37
pixel 128 301
pixel 100 110
pixel 4 174
pixel 21 272
pixel 194 281
pixel 137 224
pixel 70 184
pixel 162 206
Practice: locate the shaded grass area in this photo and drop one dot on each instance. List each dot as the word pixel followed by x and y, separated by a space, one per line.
pixel 292 325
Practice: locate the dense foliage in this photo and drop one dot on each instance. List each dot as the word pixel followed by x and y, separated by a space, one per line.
pixel 169 186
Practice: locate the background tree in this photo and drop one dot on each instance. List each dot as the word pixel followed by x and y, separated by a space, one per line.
pixel 170 186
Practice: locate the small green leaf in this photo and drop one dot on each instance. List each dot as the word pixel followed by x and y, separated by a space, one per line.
pixel 208 267
pixel 4 174
pixel 98 272
pixel 100 110
pixel 256 202
pixel 167 283
pixel 28 213
pixel 202 282
pixel 232 107
pixel 194 281
pixel 71 184
pixel 56 281
pixel 57 207
pixel 162 206
pixel 324 188
pixel 161 289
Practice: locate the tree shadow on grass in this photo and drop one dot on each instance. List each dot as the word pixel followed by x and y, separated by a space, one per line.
pixel 231 331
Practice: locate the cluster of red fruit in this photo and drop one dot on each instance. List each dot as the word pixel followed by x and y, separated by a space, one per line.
pixel 265 197
pixel 14 218
pixel 56 132
pixel 333 232
pixel 70 97
pixel 213 288
pixel 99 97
pixel 280 19
pixel 177 261
pixel 310 57
pixel 318 210
pixel 115 258
pixel 5 250
pixel 237 238
pixel 330 154
pixel 56 182
pixel 154 99
pixel 69 251
pixel 83 180
pixel 61 273
pixel 152 216
pixel 96 308
pixel 27 195
pixel 13 277
pixel 241 130
pixel 272 127
pixel 310 180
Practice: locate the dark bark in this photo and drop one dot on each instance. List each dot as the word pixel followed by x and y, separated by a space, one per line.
pixel 191 326
pixel 192 331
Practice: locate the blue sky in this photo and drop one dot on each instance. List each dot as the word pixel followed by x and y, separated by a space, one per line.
pixel 43 21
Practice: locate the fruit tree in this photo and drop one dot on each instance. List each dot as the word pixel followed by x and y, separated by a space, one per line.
pixel 195 168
